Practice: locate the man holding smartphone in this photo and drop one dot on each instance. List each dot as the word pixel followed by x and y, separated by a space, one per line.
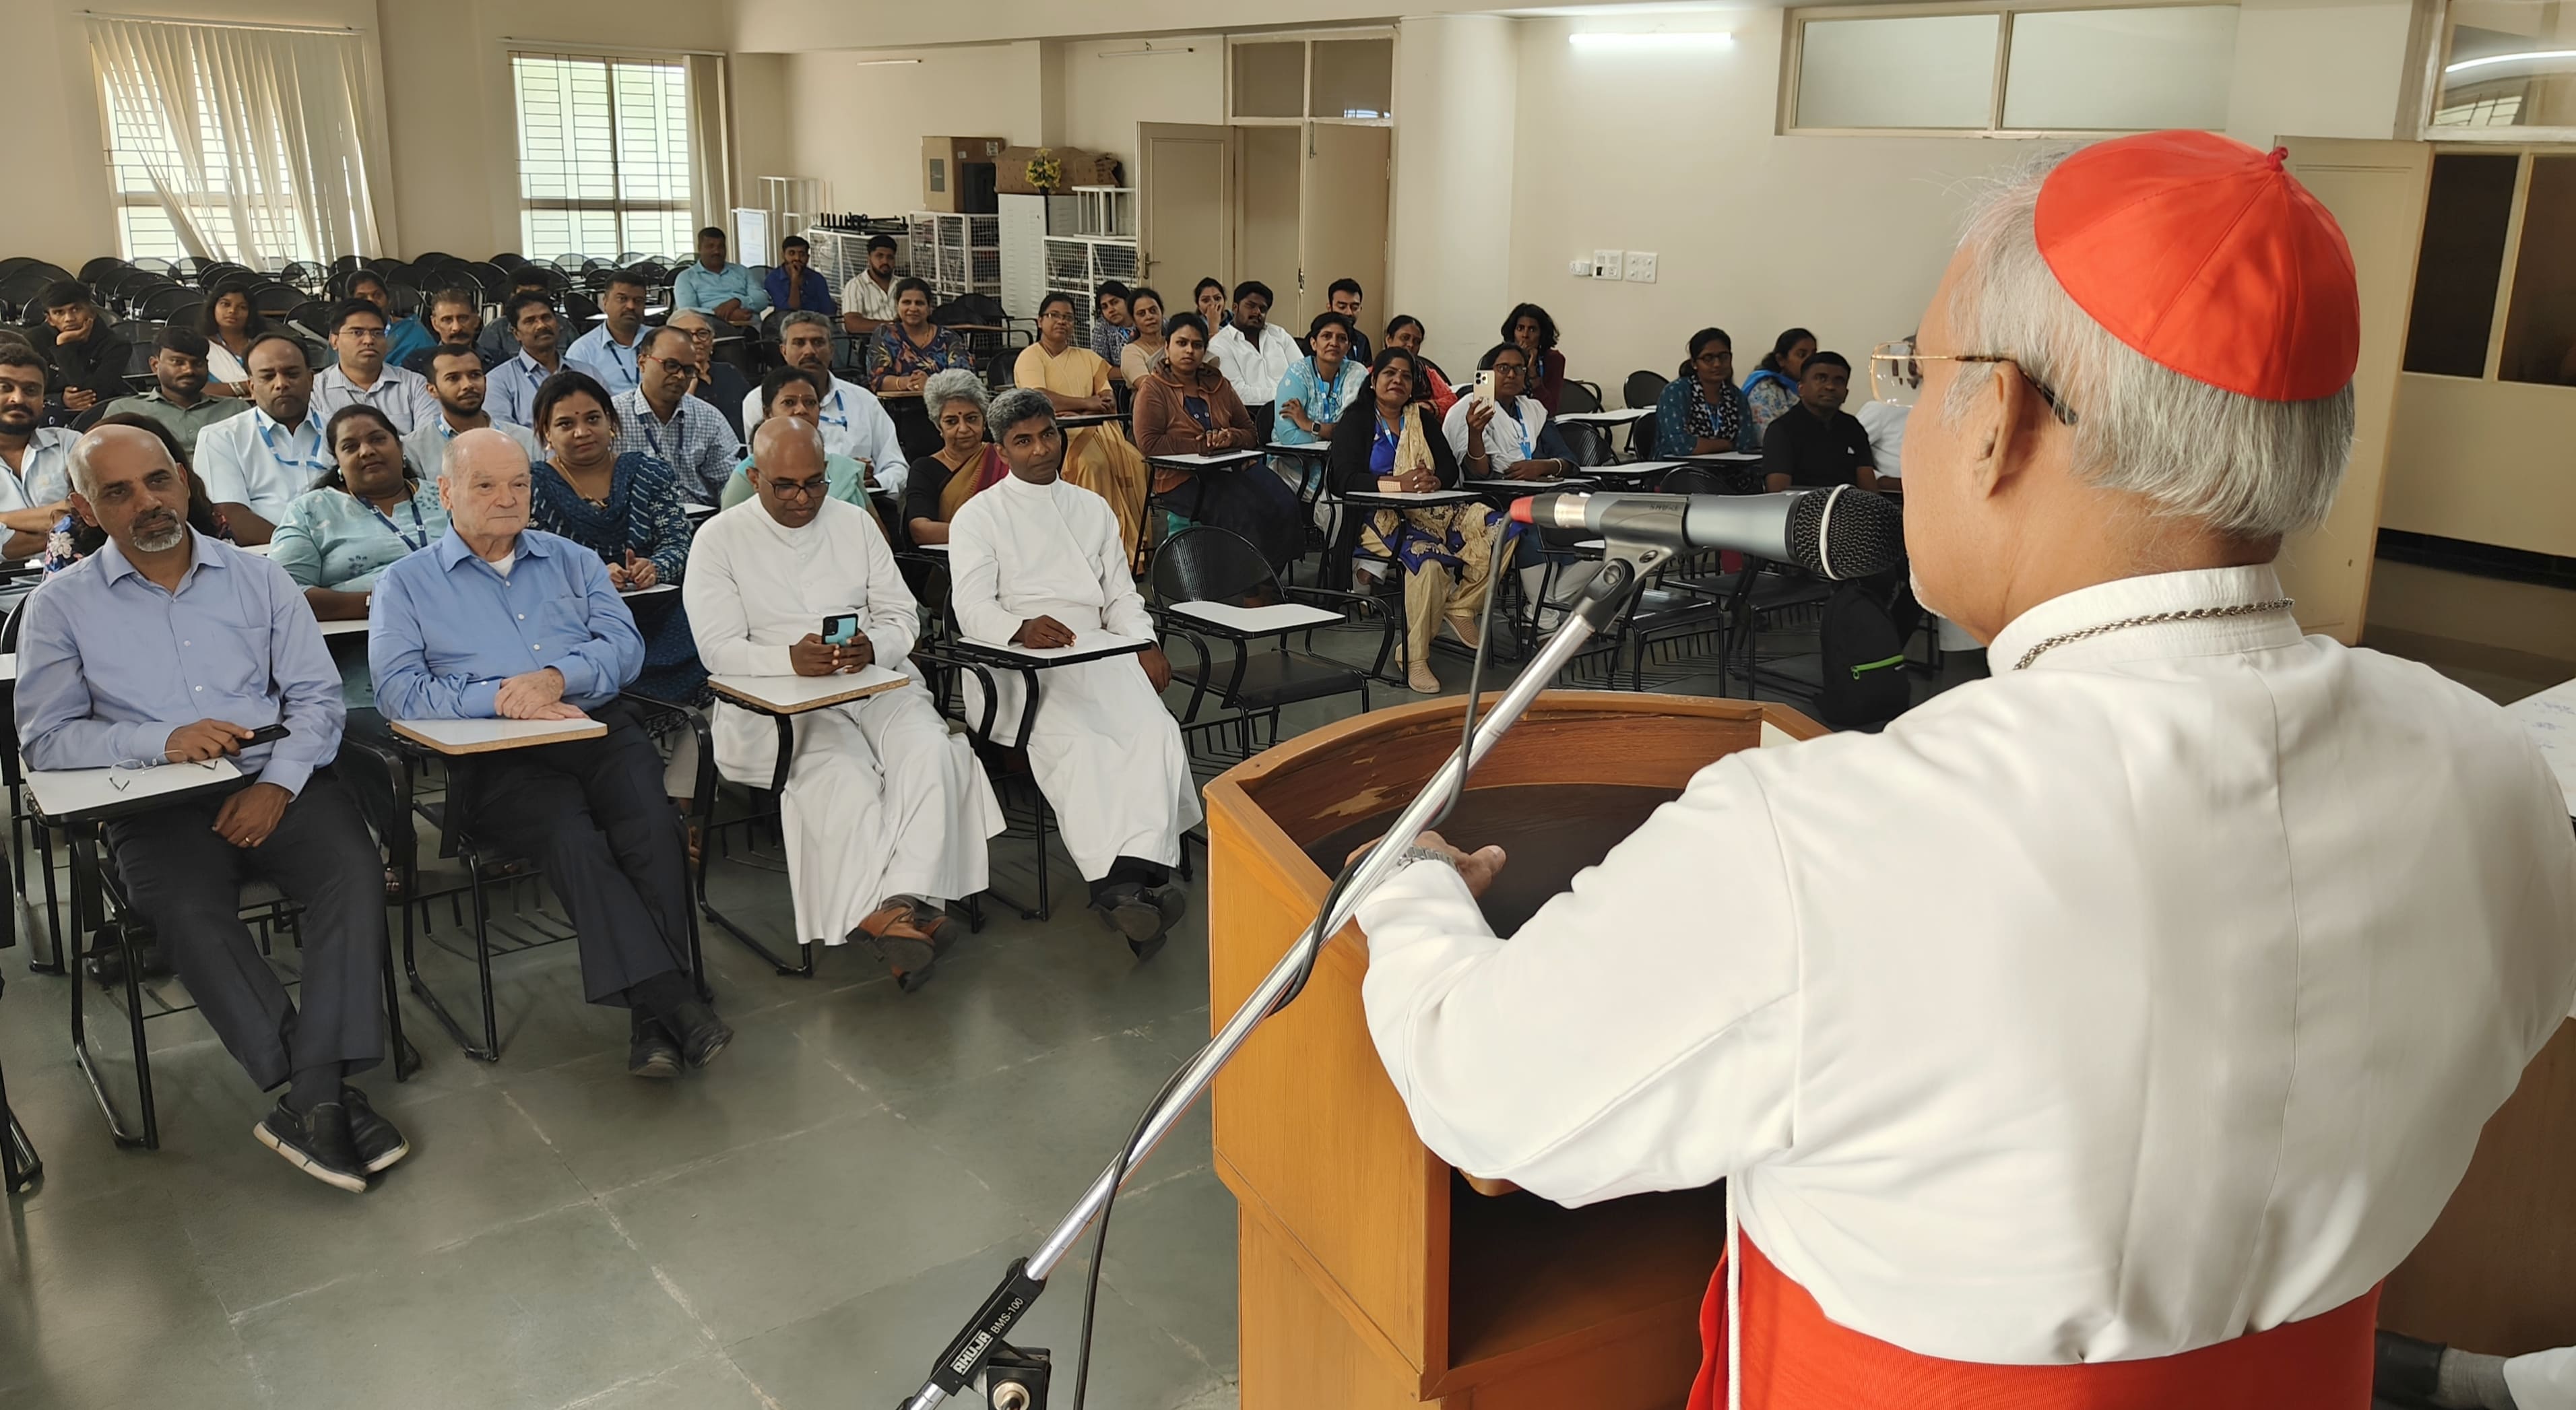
pixel 168 648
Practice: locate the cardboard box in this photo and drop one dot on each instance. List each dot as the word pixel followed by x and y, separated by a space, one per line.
pixel 941 160
pixel 1081 168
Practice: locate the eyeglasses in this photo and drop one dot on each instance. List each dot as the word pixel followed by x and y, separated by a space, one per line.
pixel 800 489
pixel 1896 375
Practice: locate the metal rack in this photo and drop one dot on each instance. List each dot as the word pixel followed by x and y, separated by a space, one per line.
pixel 1078 264
pixel 840 252
pixel 957 254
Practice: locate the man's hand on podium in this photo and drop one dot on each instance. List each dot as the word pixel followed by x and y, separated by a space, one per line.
pixel 1478 868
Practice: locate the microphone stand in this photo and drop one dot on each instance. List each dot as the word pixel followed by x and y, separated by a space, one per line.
pixel 1624 567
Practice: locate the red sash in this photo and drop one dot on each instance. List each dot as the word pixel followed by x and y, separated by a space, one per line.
pixel 1795 1359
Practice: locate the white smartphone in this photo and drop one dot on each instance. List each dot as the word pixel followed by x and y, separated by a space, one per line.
pixel 1485 386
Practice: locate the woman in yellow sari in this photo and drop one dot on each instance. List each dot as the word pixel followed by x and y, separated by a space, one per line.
pixel 1098 458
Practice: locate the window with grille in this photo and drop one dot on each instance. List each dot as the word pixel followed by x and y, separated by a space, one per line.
pixel 262 214
pixel 603 155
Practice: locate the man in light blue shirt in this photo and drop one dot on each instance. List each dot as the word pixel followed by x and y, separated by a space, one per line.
pixel 510 389
pixel 255 465
pixel 498 620
pixel 716 288
pixel 168 648
pixel 608 351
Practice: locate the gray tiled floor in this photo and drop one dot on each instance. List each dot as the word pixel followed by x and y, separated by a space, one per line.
pixel 802 1225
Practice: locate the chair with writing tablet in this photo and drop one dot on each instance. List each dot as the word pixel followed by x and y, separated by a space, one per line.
pixel 1643 388
pixel 20 1167
pixel 1579 396
pixel 1212 584
pixel 23 817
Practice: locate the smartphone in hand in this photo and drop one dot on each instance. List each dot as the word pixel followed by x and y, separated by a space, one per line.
pixel 267 734
pixel 840 628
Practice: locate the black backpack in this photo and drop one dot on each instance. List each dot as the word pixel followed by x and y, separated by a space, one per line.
pixel 1864 655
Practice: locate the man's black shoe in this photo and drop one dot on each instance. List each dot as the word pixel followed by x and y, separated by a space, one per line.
pixel 1133 912
pixel 651 1052
pixel 378 1143
pixel 316 1142
pixel 702 1035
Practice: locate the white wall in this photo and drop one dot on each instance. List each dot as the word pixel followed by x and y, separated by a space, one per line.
pixel 1105 98
pixel 860 126
pixel 1449 245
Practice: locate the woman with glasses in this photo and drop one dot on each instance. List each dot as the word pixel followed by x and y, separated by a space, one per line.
pixel 1701 412
pixel 1076 380
pixel 793 391
pixel 965 464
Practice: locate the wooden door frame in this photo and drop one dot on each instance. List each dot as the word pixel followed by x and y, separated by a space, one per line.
pixel 1223 136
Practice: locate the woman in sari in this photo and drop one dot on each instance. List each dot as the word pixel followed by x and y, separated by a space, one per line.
pixel 1188 408
pixel 965 463
pixel 1389 442
pixel 901 357
pixel 1077 381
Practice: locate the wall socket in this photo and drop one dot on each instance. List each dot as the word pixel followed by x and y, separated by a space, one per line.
pixel 1606 264
pixel 1580 269
pixel 1641 267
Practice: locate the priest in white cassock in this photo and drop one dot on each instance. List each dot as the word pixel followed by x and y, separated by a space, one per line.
pixel 887 814
pixel 2101 1034
pixel 1039 563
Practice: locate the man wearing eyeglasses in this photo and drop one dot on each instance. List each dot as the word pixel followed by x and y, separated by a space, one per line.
pixel 660 419
pixel 1816 444
pixel 886 813
pixel 720 384
pixel 361 374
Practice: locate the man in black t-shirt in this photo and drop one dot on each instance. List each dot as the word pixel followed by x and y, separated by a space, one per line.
pixel 1817 443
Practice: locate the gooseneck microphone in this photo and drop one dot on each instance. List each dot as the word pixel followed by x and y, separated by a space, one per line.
pixel 1838 533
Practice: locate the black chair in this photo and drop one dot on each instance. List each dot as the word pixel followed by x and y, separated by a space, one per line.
pixel 1579 396
pixel 91 272
pixel 20 1167
pixel 1585 443
pixel 23 816
pixel 1025 813
pixel 1203 563
pixel 1642 388
pixel 1641 437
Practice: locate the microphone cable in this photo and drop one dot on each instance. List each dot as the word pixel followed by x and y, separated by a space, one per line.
pixel 1305 971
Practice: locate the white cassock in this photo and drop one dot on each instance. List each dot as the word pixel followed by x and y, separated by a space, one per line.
pixel 882 800
pixel 1106 753
pixel 2108 1009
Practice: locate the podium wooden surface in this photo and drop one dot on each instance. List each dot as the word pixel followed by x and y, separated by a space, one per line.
pixel 1370 1276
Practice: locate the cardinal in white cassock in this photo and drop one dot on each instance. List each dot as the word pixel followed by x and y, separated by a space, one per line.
pixel 2101 1034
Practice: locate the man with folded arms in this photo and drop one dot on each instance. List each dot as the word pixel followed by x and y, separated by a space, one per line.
pixel 462 388
pixel 501 621
pixel 1039 563
pixel 886 813
pixel 168 647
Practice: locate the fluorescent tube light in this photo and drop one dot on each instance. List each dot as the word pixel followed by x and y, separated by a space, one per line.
pixel 2530 57
pixel 880 63
pixel 1700 41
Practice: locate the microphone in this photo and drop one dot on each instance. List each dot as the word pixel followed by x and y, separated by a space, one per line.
pixel 1838 533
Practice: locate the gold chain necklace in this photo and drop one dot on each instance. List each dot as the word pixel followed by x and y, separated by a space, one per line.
pixel 2188 614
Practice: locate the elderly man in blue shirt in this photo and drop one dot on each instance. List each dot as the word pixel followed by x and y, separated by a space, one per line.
pixel 167 647
pixel 718 288
pixel 498 620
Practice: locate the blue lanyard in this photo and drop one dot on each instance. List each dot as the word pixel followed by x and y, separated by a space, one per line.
pixel 317 464
pixel 1521 436
pixel 626 366
pixel 841 421
pixel 413 505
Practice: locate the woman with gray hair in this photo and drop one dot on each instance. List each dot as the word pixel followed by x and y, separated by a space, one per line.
pixel 965 462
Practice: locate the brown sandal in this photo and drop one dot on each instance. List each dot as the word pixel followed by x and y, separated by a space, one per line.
pixel 907 949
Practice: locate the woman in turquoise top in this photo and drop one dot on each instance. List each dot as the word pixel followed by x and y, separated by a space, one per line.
pixel 790 391
pixel 1700 412
pixel 1314 390
pixel 333 541
pixel 1773 387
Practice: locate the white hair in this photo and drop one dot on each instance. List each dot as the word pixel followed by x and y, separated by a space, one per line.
pixel 2241 465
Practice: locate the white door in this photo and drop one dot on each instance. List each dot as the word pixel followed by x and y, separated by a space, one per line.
pixel 1184 192
pixel 1343 220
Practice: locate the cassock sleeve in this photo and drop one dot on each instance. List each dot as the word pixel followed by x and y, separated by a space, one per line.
pixel 975 574
pixel 1122 611
pixel 714 594
pixel 1639 1033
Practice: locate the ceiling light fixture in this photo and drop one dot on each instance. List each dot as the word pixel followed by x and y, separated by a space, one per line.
pixel 1699 41
pixel 1148 52
pixel 880 63
pixel 2531 56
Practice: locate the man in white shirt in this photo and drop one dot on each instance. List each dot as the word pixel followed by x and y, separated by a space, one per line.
pixel 360 375
pixel 661 419
pixel 867 301
pixel 608 351
pixel 886 813
pixel 1252 354
pixel 2147 998
pixel 855 423
pixel 459 385
pixel 1038 563
pixel 512 386
pixel 36 491
pixel 254 466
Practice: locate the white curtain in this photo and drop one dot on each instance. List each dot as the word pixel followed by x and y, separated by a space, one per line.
pixel 711 149
pixel 258 143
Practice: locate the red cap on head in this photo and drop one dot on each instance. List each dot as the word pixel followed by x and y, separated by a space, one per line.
pixel 2209 259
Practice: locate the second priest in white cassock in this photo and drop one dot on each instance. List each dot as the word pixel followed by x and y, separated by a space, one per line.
pixel 887 814
pixel 1037 562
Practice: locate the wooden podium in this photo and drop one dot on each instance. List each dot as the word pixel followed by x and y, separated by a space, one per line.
pixel 1370 1275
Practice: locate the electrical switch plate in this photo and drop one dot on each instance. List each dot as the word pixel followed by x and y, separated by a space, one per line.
pixel 1580 269
pixel 1641 267
pixel 1606 264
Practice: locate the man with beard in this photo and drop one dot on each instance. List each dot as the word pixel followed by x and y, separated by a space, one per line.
pixel 499 342
pixel 456 316
pixel 512 386
pixel 457 381
pixel 168 646
pixel 88 361
pixel 36 491
pixel 660 419
pixel 855 423
pixel 254 466
pixel 363 375
pixel 180 402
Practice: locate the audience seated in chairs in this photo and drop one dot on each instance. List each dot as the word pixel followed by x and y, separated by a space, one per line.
pixel 717 287
pixel 1529 328
pixel 100 684
pixel 1773 387
pixel 498 620
pixel 853 421
pixel 36 490
pixel 1188 407
pixel 500 342
pixel 608 352
pixel 511 387
pixel 1446 552
pixel 228 320
pixel 793 391
pixel 794 284
pixel 179 400
pixel 867 301
pixel 1511 437
pixel 903 354
pixel 965 465
pixel 458 384
pixel 1037 562
pixel 1110 328
pixel 362 376
pixel 1075 381
pixel 720 384
pixel 660 419
pixel 1432 384
pixel 256 465
pixel 885 814
pixel 403 336
pixel 1253 355
pixel 1818 443
pixel 335 541
pixel 86 358
pixel 1143 350
pixel 1316 387
pixel 455 317
pixel 1700 412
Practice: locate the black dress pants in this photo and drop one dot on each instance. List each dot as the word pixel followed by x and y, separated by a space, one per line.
pixel 187 881
pixel 592 813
